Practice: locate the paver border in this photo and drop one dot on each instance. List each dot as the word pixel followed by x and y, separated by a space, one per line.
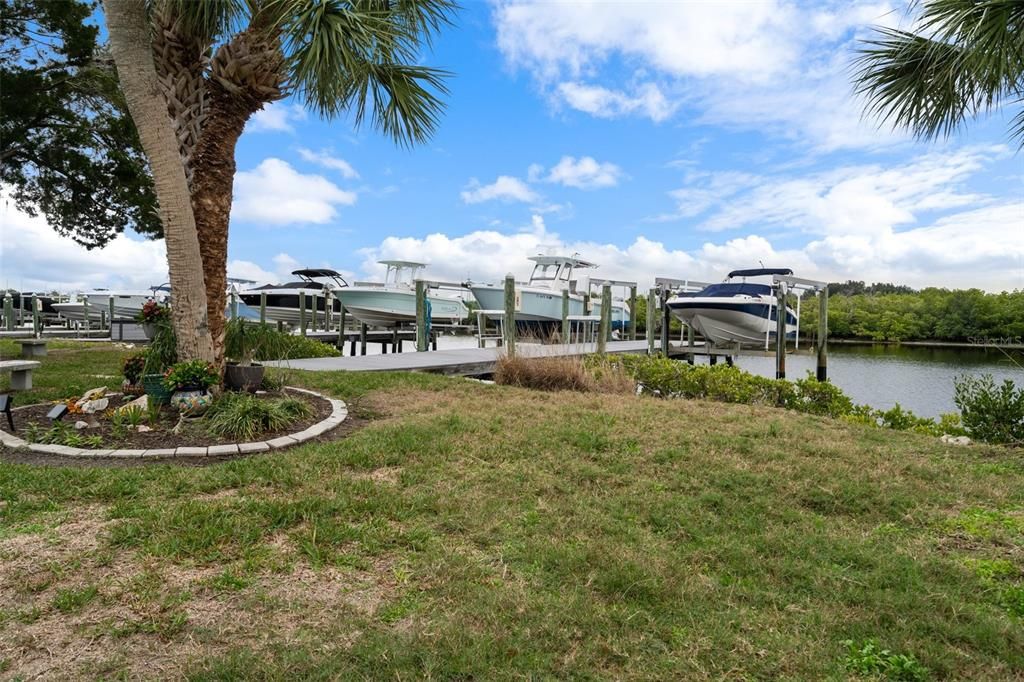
pixel 339 412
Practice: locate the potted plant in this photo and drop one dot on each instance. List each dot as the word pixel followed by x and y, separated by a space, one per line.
pixel 151 316
pixel 132 368
pixel 244 342
pixel 189 383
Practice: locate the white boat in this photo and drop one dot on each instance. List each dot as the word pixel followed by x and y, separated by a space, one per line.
pixel 734 312
pixel 394 301
pixel 539 301
pixel 127 304
pixel 283 299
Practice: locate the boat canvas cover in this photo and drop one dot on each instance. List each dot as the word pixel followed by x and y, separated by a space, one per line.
pixel 759 272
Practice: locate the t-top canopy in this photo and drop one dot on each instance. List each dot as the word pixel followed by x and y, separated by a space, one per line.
pixel 756 272
pixel 402 264
pixel 556 260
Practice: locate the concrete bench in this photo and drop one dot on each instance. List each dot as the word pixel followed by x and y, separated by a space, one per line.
pixel 21 373
pixel 33 348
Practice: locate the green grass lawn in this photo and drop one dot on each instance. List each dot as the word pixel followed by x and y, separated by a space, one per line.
pixel 477 531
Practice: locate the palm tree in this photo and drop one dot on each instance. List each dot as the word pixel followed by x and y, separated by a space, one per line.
pixel 221 61
pixel 129 32
pixel 965 59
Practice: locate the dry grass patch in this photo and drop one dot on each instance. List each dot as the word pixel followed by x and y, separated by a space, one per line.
pixel 562 374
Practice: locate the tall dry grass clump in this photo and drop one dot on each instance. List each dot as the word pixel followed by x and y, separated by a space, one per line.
pixel 562 374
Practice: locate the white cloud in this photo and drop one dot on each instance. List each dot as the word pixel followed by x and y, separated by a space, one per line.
pixel 646 99
pixel 773 65
pixel 584 173
pixel 274 193
pixel 851 199
pixel 276 117
pixel 325 159
pixel 34 256
pixel 505 188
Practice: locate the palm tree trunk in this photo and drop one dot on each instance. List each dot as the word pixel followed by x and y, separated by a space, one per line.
pixel 213 177
pixel 246 73
pixel 132 51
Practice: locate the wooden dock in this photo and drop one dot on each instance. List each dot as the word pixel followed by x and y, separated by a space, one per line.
pixel 458 362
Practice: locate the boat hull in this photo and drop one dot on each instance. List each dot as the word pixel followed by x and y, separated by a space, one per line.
pixel 726 323
pixel 387 308
pixel 544 306
pixel 285 307
pixel 76 312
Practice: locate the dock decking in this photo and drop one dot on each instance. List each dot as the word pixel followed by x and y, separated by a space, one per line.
pixel 459 361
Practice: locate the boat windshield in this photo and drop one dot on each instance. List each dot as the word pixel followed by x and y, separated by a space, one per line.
pixel 402 274
pixel 548 272
pixel 736 289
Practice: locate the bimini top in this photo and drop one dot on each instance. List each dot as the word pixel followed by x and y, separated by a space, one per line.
pixel 557 260
pixel 757 272
pixel 309 274
pixel 316 272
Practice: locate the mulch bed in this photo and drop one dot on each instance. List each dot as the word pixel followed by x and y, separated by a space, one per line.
pixel 192 432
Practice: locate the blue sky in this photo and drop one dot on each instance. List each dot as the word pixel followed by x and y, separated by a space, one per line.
pixel 680 139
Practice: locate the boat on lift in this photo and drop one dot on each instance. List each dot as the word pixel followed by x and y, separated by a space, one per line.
pixel 127 304
pixel 393 302
pixel 735 312
pixel 539 301
pixel 283 299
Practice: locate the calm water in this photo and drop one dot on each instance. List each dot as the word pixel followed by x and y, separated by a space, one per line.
pixel 919 379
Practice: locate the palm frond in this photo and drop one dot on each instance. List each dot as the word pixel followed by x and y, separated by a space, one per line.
pixel 205 20
pixel 361 56
pixel 964 59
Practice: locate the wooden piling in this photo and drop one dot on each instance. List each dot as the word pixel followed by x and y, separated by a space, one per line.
pixel 302 313
pixel 9 312
pixel 565 316
pixel 85 309
pixel 652 312
pixel 263 307
pixel 362 338
pixel 233 298
pixel 110 308
pixel 691 356
pixel 780 330
pixel 604 330
pixel 823 334
pixel 328 310
pixel 508 326
pixel 632 313
pixel 312 312
pixel 421 316
pixel 37 320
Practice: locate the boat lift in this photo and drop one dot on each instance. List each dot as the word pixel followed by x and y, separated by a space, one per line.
pixel 782 285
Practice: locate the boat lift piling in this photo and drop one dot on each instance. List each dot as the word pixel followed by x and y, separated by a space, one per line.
pixel 632 312
pixel 784 284
pixel 605 325
pixel 302 312
pixel 9 312
pixel 37 320
pixel 508 325
pixel 263 307
pixel 651 317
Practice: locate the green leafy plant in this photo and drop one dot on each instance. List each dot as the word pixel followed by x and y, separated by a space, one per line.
pixel 191 374
pixel 152 411
pixel 242 416
pixel 992 413
pixel 869 658
pixel 246 342
pixel 163 348
pixel 133 367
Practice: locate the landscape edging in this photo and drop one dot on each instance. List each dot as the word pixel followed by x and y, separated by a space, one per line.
pixel 339 412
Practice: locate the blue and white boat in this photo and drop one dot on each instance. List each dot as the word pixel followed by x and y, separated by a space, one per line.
pixel 393 302
pixel 282 300
pixel 539 301
pixel 731 313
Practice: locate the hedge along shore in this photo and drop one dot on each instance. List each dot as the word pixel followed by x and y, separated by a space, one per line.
pixel 339 412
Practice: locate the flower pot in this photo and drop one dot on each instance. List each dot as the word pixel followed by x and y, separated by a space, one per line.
pixel 153 385
pixel 243 377
pixel 149 329
pixel 192 402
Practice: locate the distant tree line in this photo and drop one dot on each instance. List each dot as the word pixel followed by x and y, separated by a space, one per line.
pixel 889 312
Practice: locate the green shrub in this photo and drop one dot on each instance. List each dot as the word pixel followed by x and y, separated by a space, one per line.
pixel 247 341
pixel 242 416
pixel 991 413
pixel 162 351
pixel 191 374
pixel 870 659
